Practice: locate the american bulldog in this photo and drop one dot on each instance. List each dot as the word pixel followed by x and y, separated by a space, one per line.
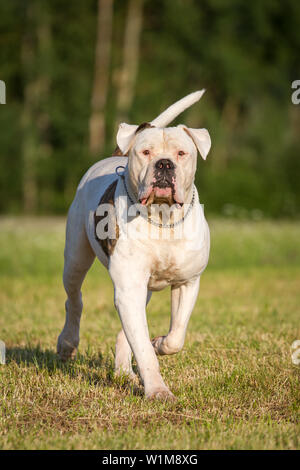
pixel 140 215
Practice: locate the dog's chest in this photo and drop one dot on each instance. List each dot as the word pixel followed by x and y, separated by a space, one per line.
pixel 172 265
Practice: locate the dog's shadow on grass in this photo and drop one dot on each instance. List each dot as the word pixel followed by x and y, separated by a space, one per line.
pixel 95 369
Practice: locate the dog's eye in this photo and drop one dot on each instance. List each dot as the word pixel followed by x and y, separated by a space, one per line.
pixel 181 153
pixel 146 152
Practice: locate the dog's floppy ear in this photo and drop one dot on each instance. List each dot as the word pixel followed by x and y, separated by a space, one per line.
pixel 125 136
pixel 201 139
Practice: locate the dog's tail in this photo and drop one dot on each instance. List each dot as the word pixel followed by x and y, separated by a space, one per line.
pixel 175 109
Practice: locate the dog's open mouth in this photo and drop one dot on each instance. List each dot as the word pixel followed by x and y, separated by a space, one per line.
pixel 160 195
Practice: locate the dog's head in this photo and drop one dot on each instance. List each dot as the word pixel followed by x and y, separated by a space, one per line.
pixel 162 160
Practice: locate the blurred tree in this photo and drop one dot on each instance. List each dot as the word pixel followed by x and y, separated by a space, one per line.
pixel 129 70
pixel 101 75
pixel 243 53
pixel 30 137
pixel 35 56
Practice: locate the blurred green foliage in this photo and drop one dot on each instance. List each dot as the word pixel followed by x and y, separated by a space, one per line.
pixel 246 55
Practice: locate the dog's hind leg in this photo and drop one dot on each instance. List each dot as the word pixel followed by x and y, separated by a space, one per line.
pixel 123 357
pixel 78 259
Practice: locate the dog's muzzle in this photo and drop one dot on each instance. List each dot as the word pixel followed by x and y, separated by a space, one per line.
pixel 164 173
pixel 164 180
pixel 162 188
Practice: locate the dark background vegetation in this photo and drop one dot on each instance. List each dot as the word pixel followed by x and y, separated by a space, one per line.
pixel 246 55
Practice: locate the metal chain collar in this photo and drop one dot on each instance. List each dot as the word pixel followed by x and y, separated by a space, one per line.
pixel 150 221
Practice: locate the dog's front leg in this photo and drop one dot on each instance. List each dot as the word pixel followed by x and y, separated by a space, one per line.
pixel 130 302
pixel 123 353
pixel 183 299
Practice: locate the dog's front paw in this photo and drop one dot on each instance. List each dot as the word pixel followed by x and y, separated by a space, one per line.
pixel 156 343
pixel 166 345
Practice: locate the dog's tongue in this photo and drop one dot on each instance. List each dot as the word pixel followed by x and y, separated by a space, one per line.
pixel 146 201
pixel 162 192
pixel 159 193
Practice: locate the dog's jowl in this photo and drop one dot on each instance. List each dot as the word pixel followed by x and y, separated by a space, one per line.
pixel 128 212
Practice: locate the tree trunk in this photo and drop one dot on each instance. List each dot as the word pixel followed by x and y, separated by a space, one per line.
pixel 29 131
pixel 35 54
pixel 131 49
pixel 101 74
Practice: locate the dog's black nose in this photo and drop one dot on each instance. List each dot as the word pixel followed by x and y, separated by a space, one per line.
pixel 164 164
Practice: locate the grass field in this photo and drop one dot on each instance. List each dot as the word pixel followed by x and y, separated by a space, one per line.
pixel 236 385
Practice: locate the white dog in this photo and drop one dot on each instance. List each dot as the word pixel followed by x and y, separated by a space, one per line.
pixel 156 237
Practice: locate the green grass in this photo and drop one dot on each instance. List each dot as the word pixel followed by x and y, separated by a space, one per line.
pixel 235 382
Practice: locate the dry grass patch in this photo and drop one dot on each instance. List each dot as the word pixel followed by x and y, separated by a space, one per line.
pixel 235 384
